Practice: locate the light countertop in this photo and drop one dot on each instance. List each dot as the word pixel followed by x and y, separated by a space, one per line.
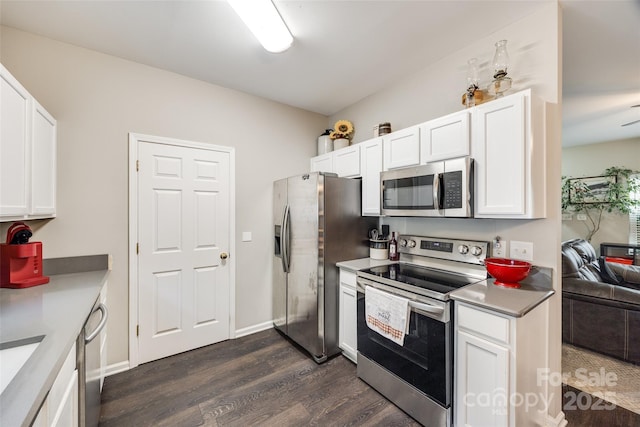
pixel 535 289
pixel 362 263
pixel 57 310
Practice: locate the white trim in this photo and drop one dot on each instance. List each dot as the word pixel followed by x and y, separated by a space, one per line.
pixel 116 368
pixel 134 140
pixel 254 329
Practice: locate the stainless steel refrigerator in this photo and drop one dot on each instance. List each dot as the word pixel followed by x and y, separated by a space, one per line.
pixel 317 222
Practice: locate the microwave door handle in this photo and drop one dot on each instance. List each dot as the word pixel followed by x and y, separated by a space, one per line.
pixel 436 191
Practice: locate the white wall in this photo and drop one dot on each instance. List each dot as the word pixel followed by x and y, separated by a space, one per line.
pixel 534 46
pixel 592 160
pixel 97 100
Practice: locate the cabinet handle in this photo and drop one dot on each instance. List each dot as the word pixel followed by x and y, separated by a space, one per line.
pixel 224 255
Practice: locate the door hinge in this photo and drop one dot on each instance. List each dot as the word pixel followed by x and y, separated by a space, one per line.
pixel 137 248
pixel 137 165
pixel 137 330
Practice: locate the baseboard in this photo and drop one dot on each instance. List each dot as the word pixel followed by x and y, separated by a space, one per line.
pixel 558 421
pixel 116 368
pixel 254 328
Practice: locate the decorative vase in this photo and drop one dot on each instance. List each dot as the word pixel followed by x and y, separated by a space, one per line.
pixel 325 144
pixel 340 143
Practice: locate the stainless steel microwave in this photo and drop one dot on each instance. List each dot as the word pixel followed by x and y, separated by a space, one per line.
pixel 439 189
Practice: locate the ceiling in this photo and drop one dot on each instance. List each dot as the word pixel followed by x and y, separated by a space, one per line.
pixel 339 43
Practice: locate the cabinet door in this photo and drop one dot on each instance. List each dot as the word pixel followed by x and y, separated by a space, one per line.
pixel 445 138
pixel 370 167
pixel 347 332
pixel 346 162
pixel 66 414
pixel 15 147
pixel 323 163
pixel 103 340
pixel 499 150
pixel 43 165
pixel 402 148
pixel 482 382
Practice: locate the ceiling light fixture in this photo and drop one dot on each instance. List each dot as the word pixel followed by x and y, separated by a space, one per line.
pixel 264 21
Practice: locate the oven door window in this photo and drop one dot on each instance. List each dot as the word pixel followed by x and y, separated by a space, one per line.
pixel 415 193
pixel 424 360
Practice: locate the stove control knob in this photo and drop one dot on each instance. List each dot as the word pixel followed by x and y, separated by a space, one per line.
pixel 476 250
pixel 463 249
pixel 403 242
pixel 411 243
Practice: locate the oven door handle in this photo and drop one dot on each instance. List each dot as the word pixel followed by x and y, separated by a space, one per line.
pixel 429 310
pixel 426 308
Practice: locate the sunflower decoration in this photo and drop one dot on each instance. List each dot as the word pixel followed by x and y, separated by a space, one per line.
pixel 342 129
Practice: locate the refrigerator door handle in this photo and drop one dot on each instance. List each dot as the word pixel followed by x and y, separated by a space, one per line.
pixel 285 240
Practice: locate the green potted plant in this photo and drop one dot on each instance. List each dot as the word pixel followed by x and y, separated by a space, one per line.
pixel 610 192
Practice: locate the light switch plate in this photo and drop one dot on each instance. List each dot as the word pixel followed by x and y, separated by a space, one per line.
pixel 521 250
pixel 246 236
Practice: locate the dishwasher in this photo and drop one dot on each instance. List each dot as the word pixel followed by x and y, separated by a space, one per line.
pixel 88 364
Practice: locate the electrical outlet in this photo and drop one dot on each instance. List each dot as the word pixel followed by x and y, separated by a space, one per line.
pixel 499 248
pixel 521 250
pixel 567 217
pixel 581 217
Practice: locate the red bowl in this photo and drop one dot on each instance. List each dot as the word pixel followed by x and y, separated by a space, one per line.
pixel 507 272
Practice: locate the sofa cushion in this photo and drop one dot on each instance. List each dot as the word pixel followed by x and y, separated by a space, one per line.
pixel 608 276
pixel 579 261
pixel 628 273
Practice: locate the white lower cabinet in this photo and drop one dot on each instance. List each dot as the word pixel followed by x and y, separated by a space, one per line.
pixel 60 408
pixel 499 365
pixel 348 320
pixel 103 340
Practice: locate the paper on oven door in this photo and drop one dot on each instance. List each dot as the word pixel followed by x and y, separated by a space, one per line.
pixel 386 314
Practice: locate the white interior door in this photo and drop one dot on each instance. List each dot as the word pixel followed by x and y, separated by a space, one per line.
pixel 184 231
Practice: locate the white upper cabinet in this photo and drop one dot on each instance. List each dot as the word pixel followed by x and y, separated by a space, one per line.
pixel 444 138
pixel 508 149
pixel 15 143
pixel 322 163
pixel 27 154
pixel 43 164
pixel 346 161
pixel 370 167
pixel 402 148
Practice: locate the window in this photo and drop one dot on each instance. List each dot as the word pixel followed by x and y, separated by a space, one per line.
pixel 634 216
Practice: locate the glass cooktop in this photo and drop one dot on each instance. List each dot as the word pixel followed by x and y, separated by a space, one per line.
pixel 435 280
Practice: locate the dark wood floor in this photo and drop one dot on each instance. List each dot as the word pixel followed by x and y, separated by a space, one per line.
pixel 594 412
pixel 261 379
pixel 264 380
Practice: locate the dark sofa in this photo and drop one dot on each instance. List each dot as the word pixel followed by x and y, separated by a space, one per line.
pixel 600 306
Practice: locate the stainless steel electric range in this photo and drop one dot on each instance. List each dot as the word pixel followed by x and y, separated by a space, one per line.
pixel 418 375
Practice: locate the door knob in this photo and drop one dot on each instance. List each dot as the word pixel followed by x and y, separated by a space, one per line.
pixel 224 255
